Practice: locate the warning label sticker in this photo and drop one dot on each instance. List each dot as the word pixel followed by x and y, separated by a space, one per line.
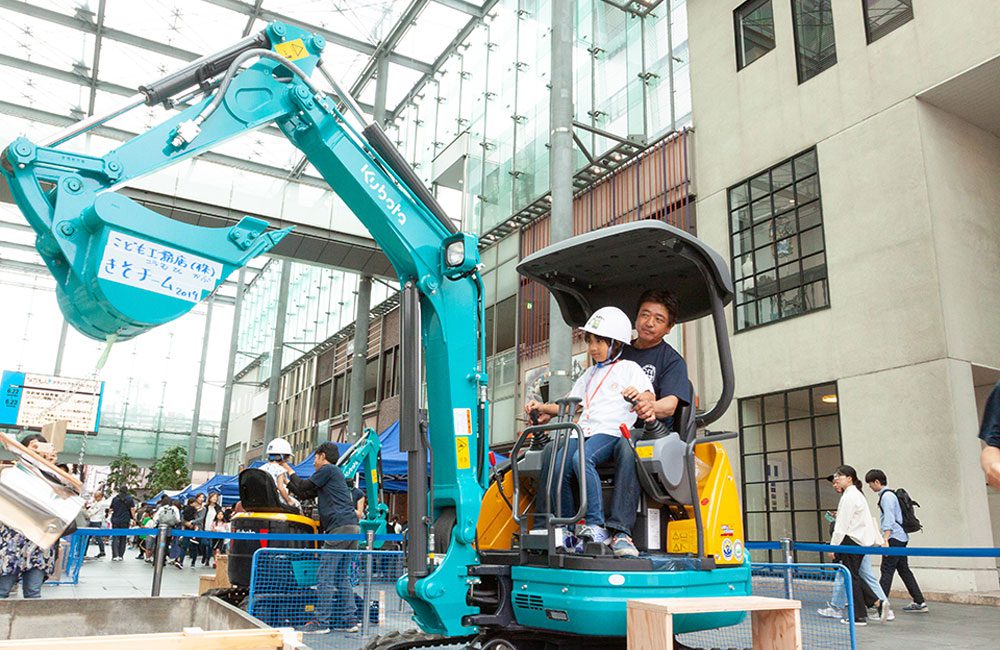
pixel 463 459
pixel 292 50
pixel 463 422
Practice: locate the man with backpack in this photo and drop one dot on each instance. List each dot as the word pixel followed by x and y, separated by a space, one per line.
pixel 898 520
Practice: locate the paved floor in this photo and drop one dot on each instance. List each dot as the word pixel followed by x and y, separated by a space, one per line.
pixel 957 627
pixel 130 577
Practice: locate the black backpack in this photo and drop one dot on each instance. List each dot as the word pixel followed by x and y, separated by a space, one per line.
pixel 906 506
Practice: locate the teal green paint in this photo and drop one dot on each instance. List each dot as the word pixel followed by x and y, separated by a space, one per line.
pixel 595 601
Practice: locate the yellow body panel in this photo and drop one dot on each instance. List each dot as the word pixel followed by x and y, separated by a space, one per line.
pixel 279 516
pixel 720 512
pixel 496 522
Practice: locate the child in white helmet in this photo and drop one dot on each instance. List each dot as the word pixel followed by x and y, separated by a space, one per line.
pixel 600 388
pixel 279 451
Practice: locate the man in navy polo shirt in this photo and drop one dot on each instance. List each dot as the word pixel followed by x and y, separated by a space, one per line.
pixel 989 433
pixel 336 604
pixel 667 371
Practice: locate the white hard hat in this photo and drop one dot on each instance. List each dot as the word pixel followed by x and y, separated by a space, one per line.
pixel 279 446
pixel 610 322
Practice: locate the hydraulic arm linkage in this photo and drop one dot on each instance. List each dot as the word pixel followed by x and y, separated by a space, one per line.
pixel 364 456
pixel 117 266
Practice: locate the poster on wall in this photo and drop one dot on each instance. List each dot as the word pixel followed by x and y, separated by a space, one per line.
pixel 31 401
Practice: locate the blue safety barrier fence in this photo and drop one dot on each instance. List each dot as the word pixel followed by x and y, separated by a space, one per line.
pixel 814 585
pixel 338 598
pixel 71 556
pixel 922 551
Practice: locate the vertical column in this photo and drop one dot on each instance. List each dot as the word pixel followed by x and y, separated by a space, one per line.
pixel 411 438
pixel 381 88
pixel 62 347
pixel 274 383
pixel 227 399
pixel 196 417
pixel 356 407
pixel 561 180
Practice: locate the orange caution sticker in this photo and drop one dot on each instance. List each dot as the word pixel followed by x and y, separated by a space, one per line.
pixel 462 457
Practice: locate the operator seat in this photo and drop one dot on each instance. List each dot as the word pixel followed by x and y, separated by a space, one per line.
pixel 258 493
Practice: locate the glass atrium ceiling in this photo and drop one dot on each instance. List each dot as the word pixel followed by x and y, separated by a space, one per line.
pixel 67 59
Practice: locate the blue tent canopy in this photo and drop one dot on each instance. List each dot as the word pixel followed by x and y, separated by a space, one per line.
pixel 394 471
pixel 394 468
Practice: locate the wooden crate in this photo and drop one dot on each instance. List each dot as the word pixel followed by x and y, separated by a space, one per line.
pixel 774 622
pixel 189 639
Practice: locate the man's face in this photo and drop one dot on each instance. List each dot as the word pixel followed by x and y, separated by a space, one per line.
pixel 319 460
pixel 652 323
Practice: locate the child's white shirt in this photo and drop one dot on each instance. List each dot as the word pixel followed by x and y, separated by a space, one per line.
pixel 277 472
pixel 604 408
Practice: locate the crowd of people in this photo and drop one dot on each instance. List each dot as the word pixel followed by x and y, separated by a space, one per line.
pixel 199 512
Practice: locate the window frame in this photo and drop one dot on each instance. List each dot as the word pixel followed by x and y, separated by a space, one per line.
pixel 786 451
pixel 795 34
pixel 870 36
pixel 801 259
pixel 739 13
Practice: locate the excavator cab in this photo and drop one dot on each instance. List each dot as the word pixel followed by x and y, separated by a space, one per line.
pixel 689 529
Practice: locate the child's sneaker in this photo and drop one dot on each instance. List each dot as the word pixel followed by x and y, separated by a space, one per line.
pixel 590 533
pixel 622 546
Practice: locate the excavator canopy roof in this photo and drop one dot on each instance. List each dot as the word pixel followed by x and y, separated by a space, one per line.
pixel 615 265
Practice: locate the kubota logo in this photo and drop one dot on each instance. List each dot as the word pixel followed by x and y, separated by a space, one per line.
pixel 371 179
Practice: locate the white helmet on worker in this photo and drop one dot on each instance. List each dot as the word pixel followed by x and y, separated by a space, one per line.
pixel 279 447
pixel 611 323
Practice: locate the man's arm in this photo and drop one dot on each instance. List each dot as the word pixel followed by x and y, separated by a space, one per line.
pixel 990 460
pixel 885 519
pixel 303 488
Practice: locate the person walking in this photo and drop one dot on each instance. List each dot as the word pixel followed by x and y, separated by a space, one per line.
pixel 875 597
pixel 895 537
pixel 853 527
pixel 169 515
pixel 122 513
pixel 336 605
pixel 96 511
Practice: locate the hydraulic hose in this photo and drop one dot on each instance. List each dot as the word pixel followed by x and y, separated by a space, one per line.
pixel 234 68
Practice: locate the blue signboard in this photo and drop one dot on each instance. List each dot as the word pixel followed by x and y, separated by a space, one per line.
pixel 10 388
pixel 32 401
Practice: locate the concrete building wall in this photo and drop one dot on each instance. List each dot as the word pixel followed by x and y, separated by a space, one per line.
pixel 909 195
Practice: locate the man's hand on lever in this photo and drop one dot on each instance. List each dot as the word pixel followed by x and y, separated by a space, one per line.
pixel 536 412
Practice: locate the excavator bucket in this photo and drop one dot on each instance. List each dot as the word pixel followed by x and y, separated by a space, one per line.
pixel 130 269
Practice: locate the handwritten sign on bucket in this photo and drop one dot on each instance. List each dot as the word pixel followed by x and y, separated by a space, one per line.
pixel 152 266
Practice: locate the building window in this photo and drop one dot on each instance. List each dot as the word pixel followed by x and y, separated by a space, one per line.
pixel 789 442
pixel 778 249
pixel 340 390
pixel 883 16
pixel 390 372
pixel 371 380
pixel 754 21
pixel 815 50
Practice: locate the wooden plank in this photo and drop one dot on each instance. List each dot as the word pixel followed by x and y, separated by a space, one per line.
pixel 263 639
pixel 720 604
pixel 649 629
pixel 776 630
